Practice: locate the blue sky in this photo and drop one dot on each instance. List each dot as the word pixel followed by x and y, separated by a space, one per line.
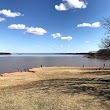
pixel 51 26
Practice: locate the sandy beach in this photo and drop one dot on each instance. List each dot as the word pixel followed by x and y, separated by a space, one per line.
pixel 36 74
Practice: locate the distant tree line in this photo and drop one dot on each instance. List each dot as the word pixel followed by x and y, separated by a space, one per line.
pixel 5 53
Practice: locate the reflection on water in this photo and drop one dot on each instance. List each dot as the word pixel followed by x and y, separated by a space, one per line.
pixel 11 63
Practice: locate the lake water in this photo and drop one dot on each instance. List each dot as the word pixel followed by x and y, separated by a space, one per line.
pixel 12 63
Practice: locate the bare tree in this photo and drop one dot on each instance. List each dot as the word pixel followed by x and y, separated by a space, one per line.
pixel 105 42
pixel 106 24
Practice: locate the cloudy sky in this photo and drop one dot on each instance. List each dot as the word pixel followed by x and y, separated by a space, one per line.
pixel 39 26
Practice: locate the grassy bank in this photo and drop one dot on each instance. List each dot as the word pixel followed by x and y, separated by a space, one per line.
pixel 63 88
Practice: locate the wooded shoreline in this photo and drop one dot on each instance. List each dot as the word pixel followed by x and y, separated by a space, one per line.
pixel 5 53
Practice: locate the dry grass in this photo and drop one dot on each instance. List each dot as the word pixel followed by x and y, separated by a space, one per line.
pixel 63 88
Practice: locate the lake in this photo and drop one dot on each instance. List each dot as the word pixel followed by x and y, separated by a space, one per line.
pixel 16 62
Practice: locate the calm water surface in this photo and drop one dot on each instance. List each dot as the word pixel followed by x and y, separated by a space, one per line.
pixel 12 63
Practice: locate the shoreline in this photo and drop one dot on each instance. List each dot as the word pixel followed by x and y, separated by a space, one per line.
pixel 47 73
pixel 31 69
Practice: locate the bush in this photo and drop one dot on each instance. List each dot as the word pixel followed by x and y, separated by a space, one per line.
pixel 103 53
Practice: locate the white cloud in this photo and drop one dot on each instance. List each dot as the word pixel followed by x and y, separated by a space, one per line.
pixel 29 30
pixel 84 25
pixel 95 24
pixel 17 26
pixel 61 37
pixel 77 3
pixel 36 31
pixel 61 7
pixel 87 41
pixel 2 19
pixel 56 35
pixel 8 13
pixel 67 38
pixel 71 4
